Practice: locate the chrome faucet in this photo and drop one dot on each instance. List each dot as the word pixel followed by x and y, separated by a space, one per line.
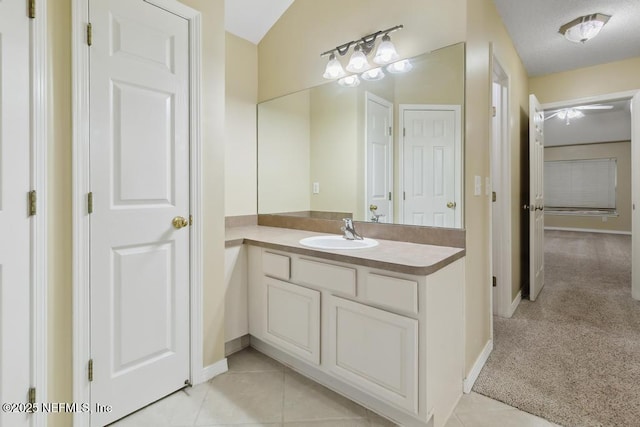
pixel 349 230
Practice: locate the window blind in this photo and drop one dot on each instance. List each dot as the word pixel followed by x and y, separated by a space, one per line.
pixel 580 184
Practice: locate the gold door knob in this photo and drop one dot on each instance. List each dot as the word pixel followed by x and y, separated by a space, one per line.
pixel 373 207
pixel 180 222
pixel 451 205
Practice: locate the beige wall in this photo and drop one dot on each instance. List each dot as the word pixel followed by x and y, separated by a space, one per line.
pixel 485 27
pixel 619 150
pixel 60 187
pixel 285 132
pixel 289 55
pixel 619 76
pixel 241 77
pixel 335 163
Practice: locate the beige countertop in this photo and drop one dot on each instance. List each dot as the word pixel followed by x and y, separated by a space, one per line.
pixel 401 257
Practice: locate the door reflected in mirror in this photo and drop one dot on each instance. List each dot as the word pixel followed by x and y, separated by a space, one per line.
pixel 387 151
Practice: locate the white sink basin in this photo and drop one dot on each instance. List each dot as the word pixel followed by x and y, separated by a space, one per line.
pixel 337 242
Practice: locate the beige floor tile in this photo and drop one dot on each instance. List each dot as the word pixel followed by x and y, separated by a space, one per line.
pixel 502 418
pixel 378 421
pixel 474 402
pixel 176 410
pixel 334 423
pixel 250 360
pixel 306 400
pixel 453 421
pixel 243 398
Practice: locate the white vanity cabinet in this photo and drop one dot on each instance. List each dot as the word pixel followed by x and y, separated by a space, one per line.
pixel 390 341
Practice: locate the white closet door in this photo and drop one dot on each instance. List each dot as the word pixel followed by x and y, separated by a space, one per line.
pixel 139 142
pixel 15 276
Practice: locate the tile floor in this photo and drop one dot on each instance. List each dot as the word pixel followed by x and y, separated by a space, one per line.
pixel 258 391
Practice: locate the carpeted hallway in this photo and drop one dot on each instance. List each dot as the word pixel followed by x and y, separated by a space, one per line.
pixel 573 356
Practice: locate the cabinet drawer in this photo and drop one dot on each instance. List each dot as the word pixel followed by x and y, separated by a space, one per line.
pixel 392 292
pixel 274 265
pixel 328 276
pixel 292 320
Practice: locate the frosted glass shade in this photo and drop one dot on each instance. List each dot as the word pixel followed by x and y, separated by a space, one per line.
pixel 400 67
pixel 373 74
pixel 349 81
pixel 334 69
pixel 358 61
pixel 584 31
pixel 386 52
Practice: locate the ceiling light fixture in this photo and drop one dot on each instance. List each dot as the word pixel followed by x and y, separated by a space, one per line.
pixel 400 67
pixel 358 62
pixel 584 28
pixel 349 81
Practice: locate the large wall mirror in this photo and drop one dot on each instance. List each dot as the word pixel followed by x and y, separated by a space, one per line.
pixel 388 151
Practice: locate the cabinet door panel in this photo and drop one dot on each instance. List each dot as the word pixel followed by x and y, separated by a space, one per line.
pixel 375 350
pixel 293 319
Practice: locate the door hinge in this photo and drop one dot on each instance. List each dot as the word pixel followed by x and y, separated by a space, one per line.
pixel 89 34
pixel 90 202
pixel 190 219
pixel 32 9
pixel 495 281
pixel 493 196
pixel 90 370
pixel 389 195
pixel 33 207
pixel 493 111
pixel 404 195
pixel 32 395
pixel 404 131
pixel 390 131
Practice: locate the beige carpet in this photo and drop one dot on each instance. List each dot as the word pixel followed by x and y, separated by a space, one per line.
pixel 573 356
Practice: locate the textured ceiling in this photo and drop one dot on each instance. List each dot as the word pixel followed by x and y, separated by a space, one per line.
pixel 252 19
pixel 533 26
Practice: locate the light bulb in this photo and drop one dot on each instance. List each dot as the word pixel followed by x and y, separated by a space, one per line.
pixel 386 52
pixel 334 69
pixel 373 74
pixel 349 81
pixel 400 67
pixel 358 61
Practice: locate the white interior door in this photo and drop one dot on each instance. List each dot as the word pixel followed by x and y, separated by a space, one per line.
pixel 15 268
pixel 139 167
pixel 429 172
pixel 379 159
pixel 536 197
pixel 635 191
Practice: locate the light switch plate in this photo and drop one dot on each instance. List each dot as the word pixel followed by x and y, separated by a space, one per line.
pixel 316 188
pixel 478 186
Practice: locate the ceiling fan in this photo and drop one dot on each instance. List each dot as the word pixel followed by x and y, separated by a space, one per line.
pixel 569 113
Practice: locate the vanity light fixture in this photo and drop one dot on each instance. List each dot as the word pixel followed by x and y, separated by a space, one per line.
pixel 584 28
pixel 358 62
pixel 400 67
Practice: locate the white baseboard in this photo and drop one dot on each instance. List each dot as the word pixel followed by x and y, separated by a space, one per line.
pixel 589 230
pixel 515 303
pixel 211 371
pixel 477 367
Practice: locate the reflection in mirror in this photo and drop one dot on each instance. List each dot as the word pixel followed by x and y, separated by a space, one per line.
pixel 387 151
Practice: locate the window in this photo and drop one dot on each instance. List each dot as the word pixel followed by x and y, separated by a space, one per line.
pixel 580 185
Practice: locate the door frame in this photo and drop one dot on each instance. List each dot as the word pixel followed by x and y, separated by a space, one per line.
pixel 375 98
pixel 80 183
pixel 503 305
pixel 457 109
pixel 635 175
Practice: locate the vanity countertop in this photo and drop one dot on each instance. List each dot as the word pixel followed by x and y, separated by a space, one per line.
pixel 401 257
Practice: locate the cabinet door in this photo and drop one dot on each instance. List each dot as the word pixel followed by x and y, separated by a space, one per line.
pixel 374 350
pixel 292 319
